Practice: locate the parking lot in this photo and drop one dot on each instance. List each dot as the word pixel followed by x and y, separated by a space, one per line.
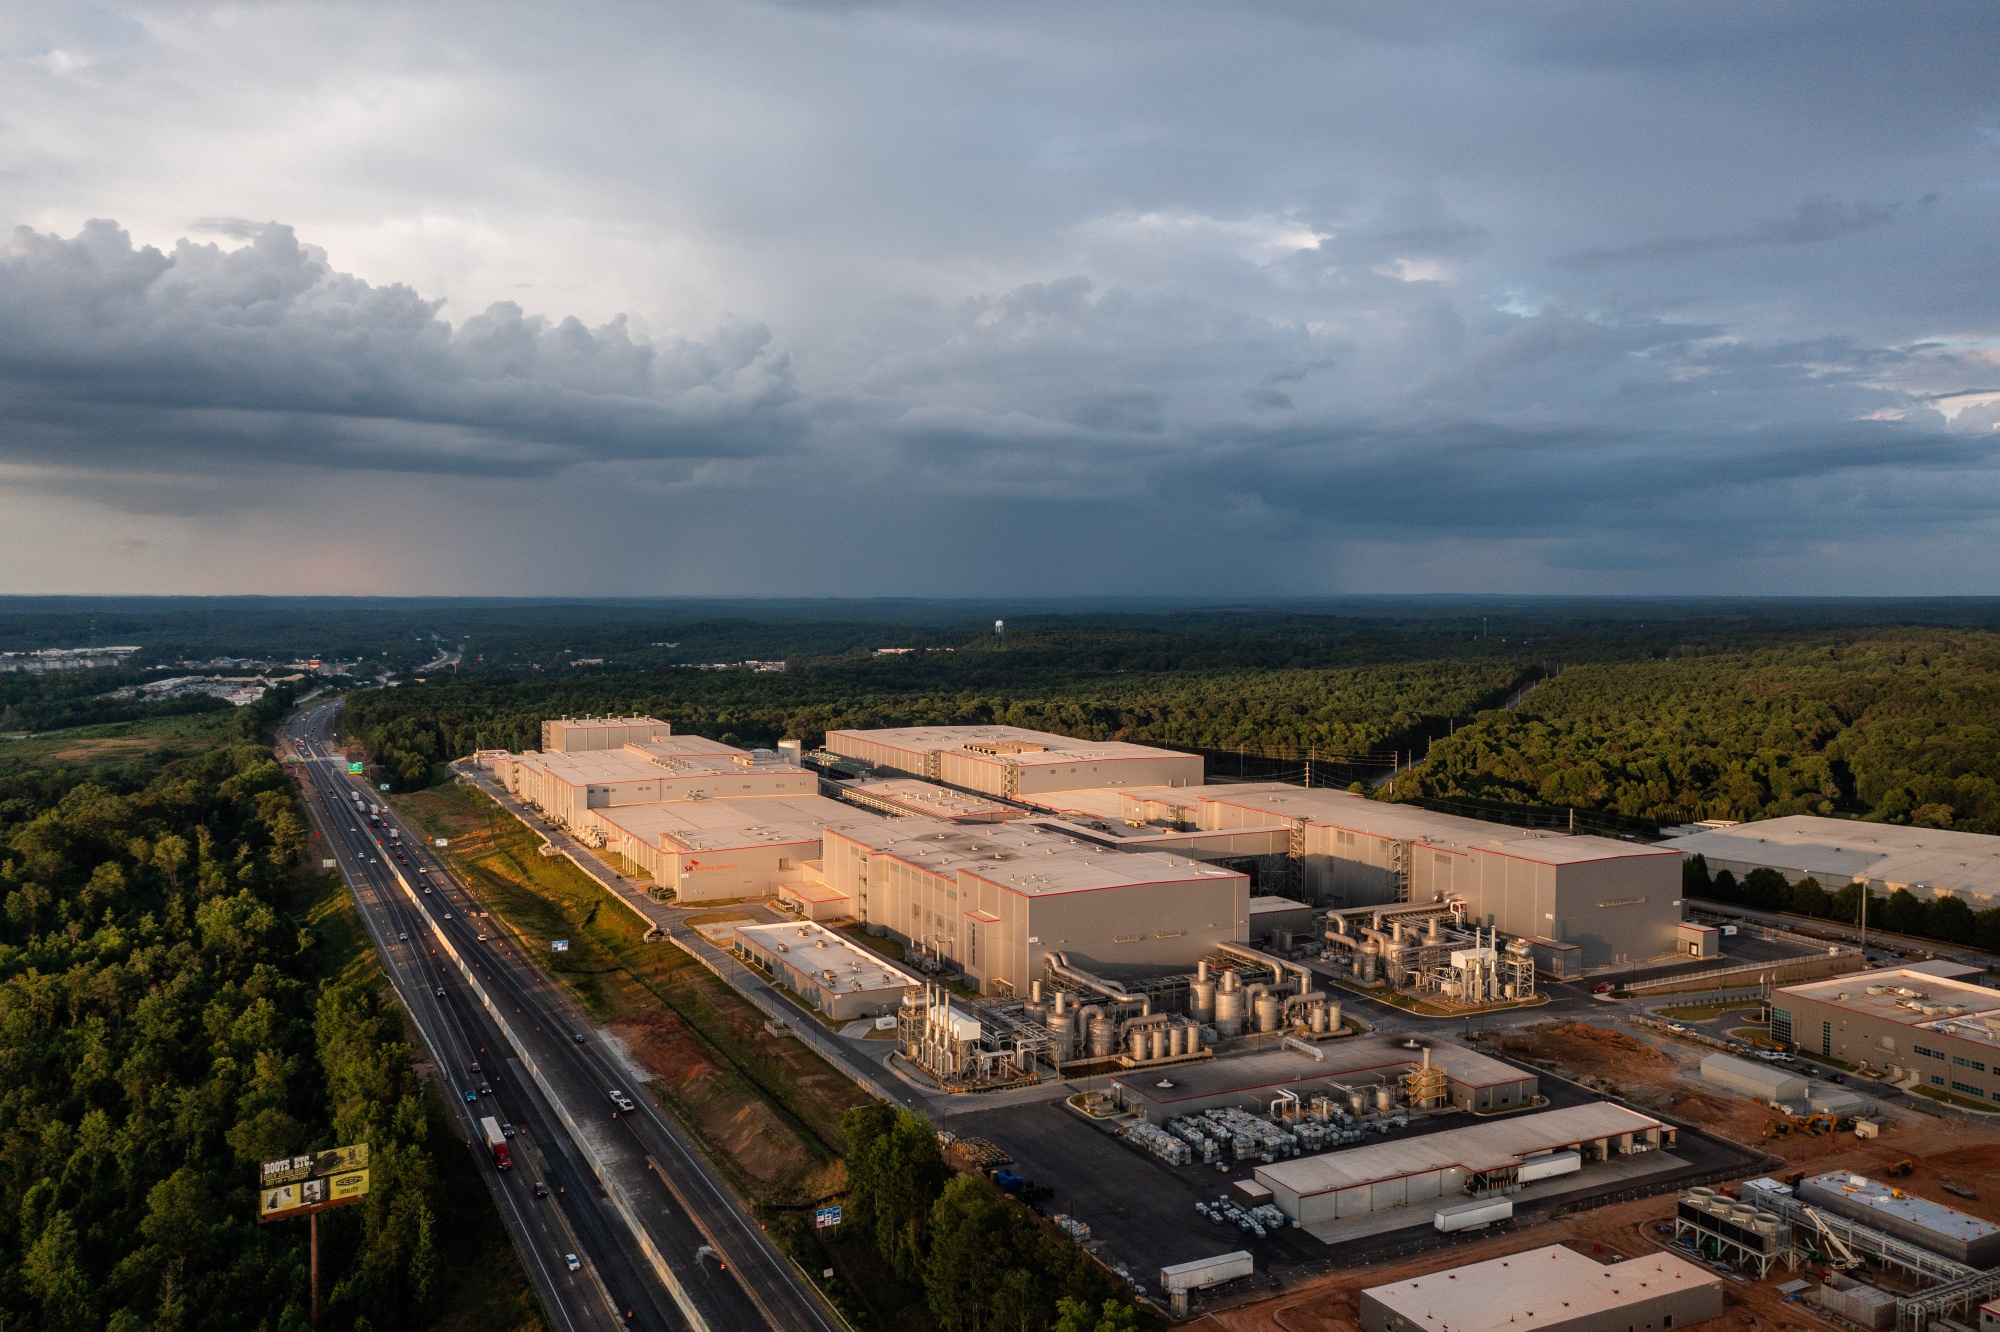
pixel 1141 1210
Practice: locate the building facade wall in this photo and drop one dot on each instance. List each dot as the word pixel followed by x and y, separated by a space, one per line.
pixel 1945 1062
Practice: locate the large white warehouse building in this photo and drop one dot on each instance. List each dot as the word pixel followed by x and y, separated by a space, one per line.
pixel 1929 862
pixel 1011 762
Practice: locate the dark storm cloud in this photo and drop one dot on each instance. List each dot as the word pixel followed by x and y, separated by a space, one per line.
pixel 116 356
pixel 1165 294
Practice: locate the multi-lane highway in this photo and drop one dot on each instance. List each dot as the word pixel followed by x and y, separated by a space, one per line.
pixel 661 1242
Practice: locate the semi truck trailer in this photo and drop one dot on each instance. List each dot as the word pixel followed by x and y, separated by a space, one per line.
pixel 496 1140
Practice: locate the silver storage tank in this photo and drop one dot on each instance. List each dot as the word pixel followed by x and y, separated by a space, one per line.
pixel 1103 1037
pixel 1269 1009
pixel 1159 1042
pixel 1202 1001
pixel 1385 1098
pixel 1229 1005
pixel 1136 1045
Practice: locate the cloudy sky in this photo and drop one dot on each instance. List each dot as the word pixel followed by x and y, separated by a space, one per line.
pixel 995 297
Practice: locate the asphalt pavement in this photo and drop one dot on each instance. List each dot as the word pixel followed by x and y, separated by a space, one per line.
pixel 661 1236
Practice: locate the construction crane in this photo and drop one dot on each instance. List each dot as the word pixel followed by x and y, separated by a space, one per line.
pixel 1836 1248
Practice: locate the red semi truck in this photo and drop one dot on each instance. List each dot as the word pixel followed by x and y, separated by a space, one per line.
pixel 497 1141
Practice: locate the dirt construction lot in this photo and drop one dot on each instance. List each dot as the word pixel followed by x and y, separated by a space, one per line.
pixel 1656 1073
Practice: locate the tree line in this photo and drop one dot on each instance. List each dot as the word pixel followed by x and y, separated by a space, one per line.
pixel 953 1252
pixel 1945 919
pixel 1283 711
pixel 1897 725
pixel 168 1020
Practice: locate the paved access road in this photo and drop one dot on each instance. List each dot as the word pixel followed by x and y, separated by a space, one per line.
pixel 666 1239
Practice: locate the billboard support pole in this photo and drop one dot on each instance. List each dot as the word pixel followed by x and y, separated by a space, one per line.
pixel 313 1220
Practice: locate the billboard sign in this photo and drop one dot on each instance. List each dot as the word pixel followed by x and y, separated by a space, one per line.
pixel 354 767
pixel 284 1170
pixel 297 1185
pixel 341 1159
pixel 274 1204
pixel 826 1216
pixel 348 1186
pixel 558 945
pixel 441 841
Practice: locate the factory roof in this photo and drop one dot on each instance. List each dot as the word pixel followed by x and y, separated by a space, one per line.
pixel 1927 861
pixel 734 824
pixel 908 795
pixel 1489 1146
pixel 668 759
pixel 1260 1075
pixel 1015 744
pixel 1911 997
pixel 1409 823
pixel 1539 1288
pixel 1882 1199
pixel 1024 859
pixel 815 950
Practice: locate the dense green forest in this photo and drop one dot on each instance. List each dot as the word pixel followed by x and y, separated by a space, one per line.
pixel 1899 725
pixel 950 1246
pixel 63 699
pixel 1287 711
pixel 172 1012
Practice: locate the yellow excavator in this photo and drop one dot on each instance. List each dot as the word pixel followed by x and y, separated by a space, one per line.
pixel 1815 1124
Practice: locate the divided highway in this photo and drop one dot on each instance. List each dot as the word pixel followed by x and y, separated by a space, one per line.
pixel 661 1241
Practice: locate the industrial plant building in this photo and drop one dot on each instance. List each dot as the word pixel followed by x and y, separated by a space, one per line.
pixel 1496 1157
pixel 1010 762
pixel 1901 1020
pixel 1929 862
pixel 576 735
pixel 1583 901
pixel 832 973
pixel 564 786
pixel 1472 1081
pixel 1555 1289
pixel 1940 1229
pixel 1001 899
pixel 715 850
pixel 907 796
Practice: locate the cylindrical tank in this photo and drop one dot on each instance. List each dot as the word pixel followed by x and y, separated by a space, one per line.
pixel 1194 1040
pixel 1357 1100
pixel 1318 1019
pixel 1103 1037
pixel 1366 963
pixel 1034 992
pixel 1333 1015
pixel 1136 1045
pixel 1176 1040
pixel 1229 1005
pixel 1385 1098
pixel 1269 1007
pixel 1282 940
pixel 1203 1001
pixel 1063 1027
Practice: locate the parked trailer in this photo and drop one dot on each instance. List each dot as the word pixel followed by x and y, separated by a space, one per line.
pixel 1549 1165
pixel 496 1140
pixel 1204 1272
pixel 1473 1215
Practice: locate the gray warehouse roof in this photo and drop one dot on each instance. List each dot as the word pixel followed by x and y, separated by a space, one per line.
pixel 1534 1289
pixel 1482 1147
pixel 1927 861
pixel 1882 1199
